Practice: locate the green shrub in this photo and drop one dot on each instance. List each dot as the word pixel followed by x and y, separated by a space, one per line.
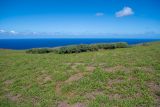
pixel 39 50
pixel 78 48
pixel 108 46
pixel 145 44
pixel 93 47
pixel 121 45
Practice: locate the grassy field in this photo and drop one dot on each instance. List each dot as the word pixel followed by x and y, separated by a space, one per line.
pixel 128 77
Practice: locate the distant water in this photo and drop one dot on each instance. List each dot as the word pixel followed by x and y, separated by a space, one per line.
pixel 19 44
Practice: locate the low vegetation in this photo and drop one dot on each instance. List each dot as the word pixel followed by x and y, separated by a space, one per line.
pixel 39 50
pixel 78 48
pixel 122 77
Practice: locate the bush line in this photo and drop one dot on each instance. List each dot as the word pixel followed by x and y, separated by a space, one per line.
pixel 78 48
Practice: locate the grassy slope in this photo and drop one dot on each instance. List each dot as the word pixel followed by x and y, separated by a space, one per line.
pixel 121 77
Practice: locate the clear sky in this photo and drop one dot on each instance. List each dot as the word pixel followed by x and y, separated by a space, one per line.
pixel 80 18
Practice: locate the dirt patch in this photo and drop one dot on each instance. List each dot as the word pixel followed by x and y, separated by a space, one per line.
pixel 137 95
pixel 92 95
pixel 65 104
pixel 14 97
pixel 114 81
pixel 90 68
pixel 58 88
pixel 44 78
pixel 102 64
pixel 8 82
pixel 28 86
pixel 116 68
pixel 155 89
pixel 131 78
pixel 74 77
pixel 153 86
pixel 35 101
pixel 74 65
pixel 146 69
pixel 78 105
pixel 70 94
pixel 115 96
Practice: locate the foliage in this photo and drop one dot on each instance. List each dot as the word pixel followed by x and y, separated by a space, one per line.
pixel 39 50
pixel 121 45
pixel 91 47
pixel 78 48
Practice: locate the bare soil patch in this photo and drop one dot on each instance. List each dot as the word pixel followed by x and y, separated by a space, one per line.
pixel 146 69
pixel 74 65
pixel 75 77
pixel 14 97
pixel 90 68
pixel 115 81
pixel 65 104
pixel 102 65
pixel 93 94
pixel 44 78
pixel 8 82
pixel 35 101
pixel 117 68
pixel 115 96
pixel 78 105
pixel 58 88
pixel 155 88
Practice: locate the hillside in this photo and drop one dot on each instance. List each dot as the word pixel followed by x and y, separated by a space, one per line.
pixel 123 77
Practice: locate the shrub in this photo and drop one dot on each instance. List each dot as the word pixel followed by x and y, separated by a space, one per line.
pixel 121 45
pixel 93 48
pixel 78 48
pixel 145 44
pixel 39 50
pixel 108 46
pixel 75 49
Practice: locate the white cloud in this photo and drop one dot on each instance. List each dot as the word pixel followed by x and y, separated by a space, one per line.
pixel 13 32
pixel 2 31
pixel 126 11
pixel 99 14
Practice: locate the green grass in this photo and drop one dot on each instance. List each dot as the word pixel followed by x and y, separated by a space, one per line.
pixel 123 77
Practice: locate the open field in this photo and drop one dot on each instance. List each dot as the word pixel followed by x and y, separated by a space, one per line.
pixel 123 77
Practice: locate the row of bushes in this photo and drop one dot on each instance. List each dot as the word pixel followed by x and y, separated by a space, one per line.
pixel 39 50
pixel 78 48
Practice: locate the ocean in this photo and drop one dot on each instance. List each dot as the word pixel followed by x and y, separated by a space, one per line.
pixel 19 44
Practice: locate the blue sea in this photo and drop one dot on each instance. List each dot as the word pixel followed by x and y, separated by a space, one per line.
pixel 19 44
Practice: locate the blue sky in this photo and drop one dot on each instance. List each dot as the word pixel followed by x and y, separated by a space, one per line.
pixel 79 18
